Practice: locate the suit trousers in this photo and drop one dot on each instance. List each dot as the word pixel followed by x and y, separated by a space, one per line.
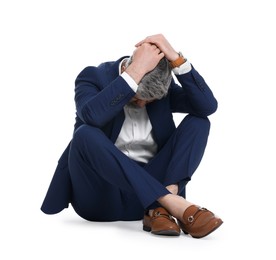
pixel 109 186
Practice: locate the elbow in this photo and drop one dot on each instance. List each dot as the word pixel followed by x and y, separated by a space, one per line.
pixel 212 108
pixel 207 111
pixel 90 118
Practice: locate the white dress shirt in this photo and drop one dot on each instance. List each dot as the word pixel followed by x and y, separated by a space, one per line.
pixel 135 138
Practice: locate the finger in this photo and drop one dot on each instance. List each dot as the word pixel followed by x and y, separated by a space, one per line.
pixel 161 55
pixel 139 43
pixel 142 42
pixel 146 40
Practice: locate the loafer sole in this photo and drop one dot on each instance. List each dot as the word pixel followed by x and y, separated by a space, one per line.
pixel 166 233
pixel 219 223
pixel 162 232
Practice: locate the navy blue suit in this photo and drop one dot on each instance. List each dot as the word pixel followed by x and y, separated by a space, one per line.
pixel 101 182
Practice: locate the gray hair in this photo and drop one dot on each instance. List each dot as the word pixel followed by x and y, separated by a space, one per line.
pixel 155 84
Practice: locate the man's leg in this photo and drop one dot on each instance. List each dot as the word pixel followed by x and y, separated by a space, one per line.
pixel 174 166
pixel 181 155
pixel 105 180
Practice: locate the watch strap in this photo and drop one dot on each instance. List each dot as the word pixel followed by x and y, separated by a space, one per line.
pixel 178 62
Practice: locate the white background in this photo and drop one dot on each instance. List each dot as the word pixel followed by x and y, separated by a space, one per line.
pixel 45 44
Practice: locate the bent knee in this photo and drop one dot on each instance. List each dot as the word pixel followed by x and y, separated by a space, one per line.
pixel 87 133
pixel 202 121
pixel 197 123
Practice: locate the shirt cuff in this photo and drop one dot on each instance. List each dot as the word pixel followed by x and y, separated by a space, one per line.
pixel 130 81
pixel 183 69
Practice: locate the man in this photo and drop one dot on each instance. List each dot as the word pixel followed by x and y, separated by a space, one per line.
pixel 127 160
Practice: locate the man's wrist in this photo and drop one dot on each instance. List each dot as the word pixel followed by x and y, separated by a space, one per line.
pixel 135 73
pixel 178 62
pixel 183 69
pixel 130 81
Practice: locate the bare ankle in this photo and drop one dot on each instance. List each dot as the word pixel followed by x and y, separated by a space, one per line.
pixel 175 204
pixel 173 188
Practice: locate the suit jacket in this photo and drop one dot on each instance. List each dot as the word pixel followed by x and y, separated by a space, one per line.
pixel 101 94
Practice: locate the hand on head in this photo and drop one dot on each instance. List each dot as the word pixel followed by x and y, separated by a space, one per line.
pixel 162 44
pixel 146 56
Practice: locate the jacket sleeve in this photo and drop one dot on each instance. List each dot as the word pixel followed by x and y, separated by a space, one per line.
pixel 97 100
pixel 193 96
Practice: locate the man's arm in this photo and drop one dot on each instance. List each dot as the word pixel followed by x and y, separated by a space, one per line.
pixel 97 104
pixel 194 96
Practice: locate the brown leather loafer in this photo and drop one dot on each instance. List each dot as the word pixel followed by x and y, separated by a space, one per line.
pixel 199 222
pixel 161 223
